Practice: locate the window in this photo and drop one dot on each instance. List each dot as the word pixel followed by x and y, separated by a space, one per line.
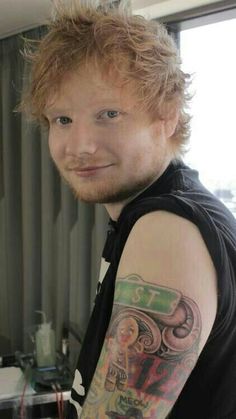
pixel 208 52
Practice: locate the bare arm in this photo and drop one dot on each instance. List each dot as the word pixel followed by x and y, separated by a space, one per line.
pixel 159 322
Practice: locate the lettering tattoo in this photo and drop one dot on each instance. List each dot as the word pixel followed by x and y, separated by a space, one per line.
pixel 150 349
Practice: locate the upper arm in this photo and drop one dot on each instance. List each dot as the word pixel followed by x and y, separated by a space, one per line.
pixel 164 308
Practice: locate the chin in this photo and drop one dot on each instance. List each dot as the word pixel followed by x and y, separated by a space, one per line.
pixel 110 193
pixel 111 197
pixel 89 197
pixel 96 199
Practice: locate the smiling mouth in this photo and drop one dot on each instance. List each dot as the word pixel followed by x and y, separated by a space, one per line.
pixel 88 171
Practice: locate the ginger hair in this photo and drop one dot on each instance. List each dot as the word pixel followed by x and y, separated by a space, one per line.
pixel 110 39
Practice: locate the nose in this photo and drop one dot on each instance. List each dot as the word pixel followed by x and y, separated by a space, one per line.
pixel 81 139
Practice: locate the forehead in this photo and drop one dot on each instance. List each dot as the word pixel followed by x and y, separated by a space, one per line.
pixel 92 87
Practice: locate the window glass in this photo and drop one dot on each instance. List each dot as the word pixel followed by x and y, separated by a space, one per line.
pixel 208 52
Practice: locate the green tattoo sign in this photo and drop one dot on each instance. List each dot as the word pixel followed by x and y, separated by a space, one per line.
pixel 134 292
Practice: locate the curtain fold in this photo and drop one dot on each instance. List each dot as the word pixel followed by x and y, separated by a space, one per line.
pixel 50 243
pixel 11 226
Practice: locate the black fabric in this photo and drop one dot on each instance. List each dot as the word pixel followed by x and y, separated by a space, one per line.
pixel 210 392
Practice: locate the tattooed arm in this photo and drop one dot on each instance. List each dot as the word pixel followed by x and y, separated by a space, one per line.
pixel 164 309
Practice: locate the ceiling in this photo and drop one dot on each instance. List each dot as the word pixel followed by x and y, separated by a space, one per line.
pixel 19 15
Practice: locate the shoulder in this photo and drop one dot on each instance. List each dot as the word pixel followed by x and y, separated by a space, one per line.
pixel 168 250
pixel 170 237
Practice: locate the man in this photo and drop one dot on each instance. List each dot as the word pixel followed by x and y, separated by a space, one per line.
pixel 161 338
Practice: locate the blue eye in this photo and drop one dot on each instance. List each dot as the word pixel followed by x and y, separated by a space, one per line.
pixel 109 114
pixel 112 114
pixel 63 120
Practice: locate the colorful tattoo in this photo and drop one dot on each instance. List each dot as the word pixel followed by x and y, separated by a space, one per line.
pixel 150 349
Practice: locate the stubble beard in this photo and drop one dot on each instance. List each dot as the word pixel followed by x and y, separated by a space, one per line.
pixel 113 193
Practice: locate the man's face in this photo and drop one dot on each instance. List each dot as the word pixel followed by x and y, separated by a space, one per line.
pixel 127 332
pixel 103 145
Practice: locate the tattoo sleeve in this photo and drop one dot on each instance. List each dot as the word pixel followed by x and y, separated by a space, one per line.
pixel 150 349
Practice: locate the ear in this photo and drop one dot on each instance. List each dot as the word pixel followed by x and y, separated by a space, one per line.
pixel 170 123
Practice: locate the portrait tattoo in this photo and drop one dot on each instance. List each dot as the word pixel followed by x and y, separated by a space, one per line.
pixel 150 348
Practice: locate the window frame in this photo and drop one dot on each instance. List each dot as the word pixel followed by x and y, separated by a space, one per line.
pixel 199 16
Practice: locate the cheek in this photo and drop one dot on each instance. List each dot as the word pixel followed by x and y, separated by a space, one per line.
pixel 56 149
pixel 139 150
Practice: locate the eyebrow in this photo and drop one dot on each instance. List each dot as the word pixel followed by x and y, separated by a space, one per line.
pixel 49 112
pixel 57 111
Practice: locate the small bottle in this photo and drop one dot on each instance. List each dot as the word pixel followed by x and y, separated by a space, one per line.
pixel 65 342
pixel 45 344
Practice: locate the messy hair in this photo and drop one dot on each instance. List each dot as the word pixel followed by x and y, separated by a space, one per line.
pixel 112 39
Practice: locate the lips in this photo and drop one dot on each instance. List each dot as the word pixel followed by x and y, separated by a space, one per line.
pixel 88 170
pixel 124 338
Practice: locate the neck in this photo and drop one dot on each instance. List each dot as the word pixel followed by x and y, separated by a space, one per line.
pixel 114 209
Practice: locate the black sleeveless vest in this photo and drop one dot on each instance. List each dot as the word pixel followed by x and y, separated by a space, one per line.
pixel 210 392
